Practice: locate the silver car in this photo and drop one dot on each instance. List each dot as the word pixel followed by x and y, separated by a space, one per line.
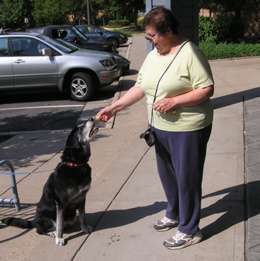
pixel 32 60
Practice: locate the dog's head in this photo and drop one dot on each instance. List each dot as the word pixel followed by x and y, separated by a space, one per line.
pixel 86 130
pixel 77 147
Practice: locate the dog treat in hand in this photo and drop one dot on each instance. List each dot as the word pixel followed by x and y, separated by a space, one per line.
pixel 103 118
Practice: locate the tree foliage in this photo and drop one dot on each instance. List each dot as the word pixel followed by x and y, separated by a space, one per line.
pixel 42 12
pixel 231 16
pixel 50 11
pixel 120 9
pixel 12 13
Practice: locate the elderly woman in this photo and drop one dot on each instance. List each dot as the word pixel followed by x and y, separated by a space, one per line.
pixel 177 82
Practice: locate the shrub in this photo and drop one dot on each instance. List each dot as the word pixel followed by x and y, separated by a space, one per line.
pixel 229 27
pixel 225 28
pixel 207 29
pixel 228 50
pixel 12 13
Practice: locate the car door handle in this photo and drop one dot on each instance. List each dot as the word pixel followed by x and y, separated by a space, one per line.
pixel 20 61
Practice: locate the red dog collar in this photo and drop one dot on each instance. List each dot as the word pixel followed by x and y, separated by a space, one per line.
pixel 73 164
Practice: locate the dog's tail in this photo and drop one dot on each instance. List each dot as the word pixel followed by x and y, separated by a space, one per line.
pixel 17 222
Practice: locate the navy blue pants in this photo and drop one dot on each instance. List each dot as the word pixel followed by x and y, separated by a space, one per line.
pixel 180 160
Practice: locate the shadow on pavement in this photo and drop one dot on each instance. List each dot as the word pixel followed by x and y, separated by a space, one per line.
pixel 23 148
pixel 125 85
pixel 50 94
pixel 117 218
pixel 131 72
pixel 19 96
pixel 99 220
pixel 41 120
pixel 27 212
pixel 234 206
pixel 233 98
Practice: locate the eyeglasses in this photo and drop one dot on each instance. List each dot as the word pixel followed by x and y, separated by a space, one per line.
pixel 150 37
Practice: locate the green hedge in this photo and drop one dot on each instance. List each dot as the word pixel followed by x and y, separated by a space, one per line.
pixel 224 50
pixel 225 28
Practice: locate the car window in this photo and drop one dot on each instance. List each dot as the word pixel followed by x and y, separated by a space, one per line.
pixel 60 45
pixel 83 29
pixel 65 34
pixel 25 46
pixel 3 47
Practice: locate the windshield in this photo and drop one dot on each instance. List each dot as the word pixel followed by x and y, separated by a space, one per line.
pixel 60 44
pixel 83 29
pixel 79 33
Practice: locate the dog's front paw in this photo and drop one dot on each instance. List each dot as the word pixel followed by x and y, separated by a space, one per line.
pixel 86 228
pixel 60 241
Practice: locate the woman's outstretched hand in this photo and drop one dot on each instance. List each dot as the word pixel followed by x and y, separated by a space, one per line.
pixel 104 114
pixel 133 95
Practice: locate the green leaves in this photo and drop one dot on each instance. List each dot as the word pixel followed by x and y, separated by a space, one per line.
pixel 43 12
pixel 228 50
pixel 50 11
pixel 11 13
pixel 207 29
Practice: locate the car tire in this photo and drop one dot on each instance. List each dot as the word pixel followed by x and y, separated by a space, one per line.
pixel 81 86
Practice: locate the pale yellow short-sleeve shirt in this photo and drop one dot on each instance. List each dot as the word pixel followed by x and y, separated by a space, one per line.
pixel 189 70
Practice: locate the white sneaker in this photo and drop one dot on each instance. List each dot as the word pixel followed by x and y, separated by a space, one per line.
pixel 165 224
pixel 181 240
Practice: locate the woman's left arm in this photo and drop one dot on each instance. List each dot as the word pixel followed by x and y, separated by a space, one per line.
pixel 191 98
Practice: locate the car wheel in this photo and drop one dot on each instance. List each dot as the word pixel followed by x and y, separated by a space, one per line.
pixel 81 87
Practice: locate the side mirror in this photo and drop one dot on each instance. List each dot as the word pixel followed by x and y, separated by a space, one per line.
pixel 46 52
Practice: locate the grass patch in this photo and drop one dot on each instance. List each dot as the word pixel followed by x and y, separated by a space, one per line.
pixel 228 50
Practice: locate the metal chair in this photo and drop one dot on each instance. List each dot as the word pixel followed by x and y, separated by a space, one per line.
pixel 14 200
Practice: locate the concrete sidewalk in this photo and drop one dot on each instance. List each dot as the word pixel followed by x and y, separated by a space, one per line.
pixel 126 197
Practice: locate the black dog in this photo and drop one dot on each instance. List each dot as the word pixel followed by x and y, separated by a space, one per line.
pixel 65 191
